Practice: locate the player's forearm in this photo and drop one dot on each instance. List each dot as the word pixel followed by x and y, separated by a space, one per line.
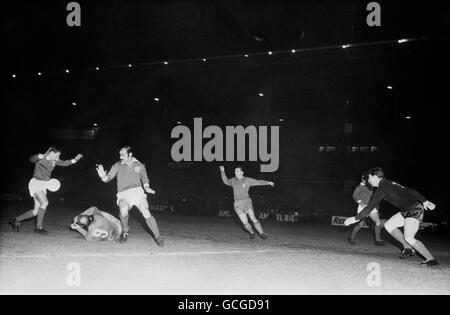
pixel 366 211
pixel 66 162
pixel 225 179
pixel 262 183
pixel 108 177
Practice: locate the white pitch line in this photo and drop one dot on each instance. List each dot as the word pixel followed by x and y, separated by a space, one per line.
pixel 81 255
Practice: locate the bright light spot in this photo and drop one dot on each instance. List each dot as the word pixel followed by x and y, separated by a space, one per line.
pixel 13 75
pixel 95 125
pixel 246 56
pixel 67 71
pixel 269 52
pixel 293 51
pixel 389 87
pixel 74 104
pixel 204 59
pixel 402 40
pixel 166 63
pixel 97 68
pixel 129 65
pixel 408 117
pixel 156 99
pixel 261 94
pixel 179 122
pixel 281 119
pixel 39 73
pixel 345 46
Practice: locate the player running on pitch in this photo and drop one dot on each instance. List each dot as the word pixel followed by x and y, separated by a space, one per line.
pixel 242 202
pixel 131 174
pixel 412 206
pixel 362 194
pixel 38 185
pixel 96 225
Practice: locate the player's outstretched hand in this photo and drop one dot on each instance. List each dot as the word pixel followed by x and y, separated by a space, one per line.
pixel 148 190
pixel 222 168
pixel 100 170
pixel 350 221
pixel 79 156
pixel 272 184
pixel 429 205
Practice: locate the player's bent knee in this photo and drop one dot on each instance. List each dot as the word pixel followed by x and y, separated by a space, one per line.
pixel 410 240
pixel 35 211
pixel 389 227
pixel 146 214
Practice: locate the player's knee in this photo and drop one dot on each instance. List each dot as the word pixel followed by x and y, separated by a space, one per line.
pixel 35 211
pixel 44 205
pixel 124 208
pixel 389 227
pixel 146 214
pixel 254 220
pixel 410 240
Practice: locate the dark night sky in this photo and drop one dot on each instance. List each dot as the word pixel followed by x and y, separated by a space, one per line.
pixel 309 91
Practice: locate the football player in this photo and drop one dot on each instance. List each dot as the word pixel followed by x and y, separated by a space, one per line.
pixel 242 202
pixel 44 164
pixel 411 205
pixel 96 225
pixel 131 175
pixel 362 194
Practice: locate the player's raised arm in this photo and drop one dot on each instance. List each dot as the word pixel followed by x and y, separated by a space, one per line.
pixel 35 158
pixel 69 162
pixel 255 182
pixel 225 179
pixel 104 176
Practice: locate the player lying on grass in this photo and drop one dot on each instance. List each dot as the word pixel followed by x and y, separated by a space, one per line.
pixel 96 225
pixel 362 194
pixel 131 175
pixel 242 202
pixel 411 205
pixel 38 185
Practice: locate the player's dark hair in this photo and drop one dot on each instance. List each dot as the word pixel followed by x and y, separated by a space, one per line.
pixel 89 220
pixel 240 167
pixel 54 150
pixel 128 149
pixel 377 171
pixel 365 177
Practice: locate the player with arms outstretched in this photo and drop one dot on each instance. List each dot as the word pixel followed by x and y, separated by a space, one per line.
pixel 131 175
pixel 44 164
pixel 96 225
pixel 412 206
pixel 242 202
